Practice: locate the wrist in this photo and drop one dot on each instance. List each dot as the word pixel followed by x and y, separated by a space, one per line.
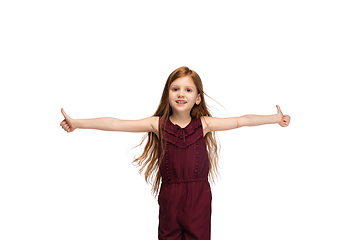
pixel 278 118
pixel 76 123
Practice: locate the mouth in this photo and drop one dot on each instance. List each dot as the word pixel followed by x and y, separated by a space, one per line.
pixel 180 102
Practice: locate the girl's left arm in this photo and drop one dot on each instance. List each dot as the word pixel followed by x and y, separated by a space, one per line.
pixel 222 124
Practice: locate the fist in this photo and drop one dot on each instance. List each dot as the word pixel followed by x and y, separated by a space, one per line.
pixel 283 120
pixel 68 123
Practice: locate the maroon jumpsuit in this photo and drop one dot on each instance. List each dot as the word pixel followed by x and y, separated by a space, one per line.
pixel 185 194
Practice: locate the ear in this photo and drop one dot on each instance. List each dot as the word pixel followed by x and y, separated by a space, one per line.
pixel 198 99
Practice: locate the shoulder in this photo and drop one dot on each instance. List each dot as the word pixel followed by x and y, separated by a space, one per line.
pixel 205 120
pixel 154 122
pixel 152 119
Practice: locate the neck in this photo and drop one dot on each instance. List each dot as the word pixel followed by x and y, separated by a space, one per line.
pixel 182 118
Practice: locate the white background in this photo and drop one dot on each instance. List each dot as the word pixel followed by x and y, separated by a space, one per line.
pixel 112 58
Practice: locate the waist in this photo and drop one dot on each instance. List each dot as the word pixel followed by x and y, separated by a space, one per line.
pixel 179 181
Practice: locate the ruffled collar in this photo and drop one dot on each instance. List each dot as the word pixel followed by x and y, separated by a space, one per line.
pixel 183 137
pixel 178 127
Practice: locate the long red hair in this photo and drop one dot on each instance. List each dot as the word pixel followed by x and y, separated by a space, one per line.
pixel 149 160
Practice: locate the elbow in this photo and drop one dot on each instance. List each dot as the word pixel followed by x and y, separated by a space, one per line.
pixel 112 124
pixel 242 121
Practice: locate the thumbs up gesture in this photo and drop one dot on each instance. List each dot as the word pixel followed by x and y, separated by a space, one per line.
pixel 284 120
pixel 68 123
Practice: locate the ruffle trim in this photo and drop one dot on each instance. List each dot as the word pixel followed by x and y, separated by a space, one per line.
pixel 189 130
pixel 196 159
pixel 179 142
pixel 167 164
pixel 183 137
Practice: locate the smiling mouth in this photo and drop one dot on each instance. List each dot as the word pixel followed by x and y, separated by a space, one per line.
pixel 181 102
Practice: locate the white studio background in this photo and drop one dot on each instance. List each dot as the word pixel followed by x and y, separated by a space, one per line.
pixel 112 58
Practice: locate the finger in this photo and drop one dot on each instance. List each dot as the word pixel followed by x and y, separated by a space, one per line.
pixel 64 113
pixel 278 109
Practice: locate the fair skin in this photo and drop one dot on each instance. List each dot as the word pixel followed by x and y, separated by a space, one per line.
pixel 183 95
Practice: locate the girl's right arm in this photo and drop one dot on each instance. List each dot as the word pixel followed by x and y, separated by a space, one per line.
pixel 111 124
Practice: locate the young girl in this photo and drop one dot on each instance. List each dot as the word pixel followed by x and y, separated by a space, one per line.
pixel 181 152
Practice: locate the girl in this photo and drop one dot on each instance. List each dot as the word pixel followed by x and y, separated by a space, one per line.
pixel 181 152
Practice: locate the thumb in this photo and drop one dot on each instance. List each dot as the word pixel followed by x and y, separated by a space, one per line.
pixel 65 115
pixel 279 110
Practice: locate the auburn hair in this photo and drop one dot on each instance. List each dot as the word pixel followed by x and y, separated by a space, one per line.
pixel 149 161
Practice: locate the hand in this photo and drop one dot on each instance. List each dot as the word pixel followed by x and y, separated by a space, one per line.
pixel 68 123
pixel 283 120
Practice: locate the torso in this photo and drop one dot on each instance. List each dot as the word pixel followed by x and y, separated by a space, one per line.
pixel 186 156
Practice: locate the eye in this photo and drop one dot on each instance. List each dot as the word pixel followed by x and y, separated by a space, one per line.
pixel 175 89
pixel 188 90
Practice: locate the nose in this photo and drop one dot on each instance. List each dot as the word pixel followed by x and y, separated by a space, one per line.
pixel 180 94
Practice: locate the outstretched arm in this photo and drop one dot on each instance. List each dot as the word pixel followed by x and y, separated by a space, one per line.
pixel 222 124
pixel 110 124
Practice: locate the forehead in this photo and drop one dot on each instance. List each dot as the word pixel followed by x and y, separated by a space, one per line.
pixel 184 81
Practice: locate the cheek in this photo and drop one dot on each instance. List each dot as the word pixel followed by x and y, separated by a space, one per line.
pixel 171 98
pixel 194 98
pixel 170 95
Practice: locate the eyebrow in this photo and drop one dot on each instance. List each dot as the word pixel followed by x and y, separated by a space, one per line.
pixel 179 86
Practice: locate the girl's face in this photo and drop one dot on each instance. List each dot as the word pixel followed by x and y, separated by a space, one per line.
pixel 183 94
